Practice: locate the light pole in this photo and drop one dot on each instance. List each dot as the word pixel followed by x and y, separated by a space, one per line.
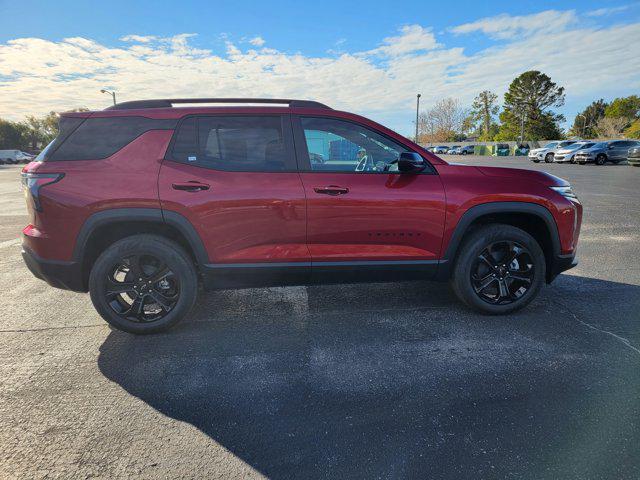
pixel 113 94
pixel 417 114
pixel 584 124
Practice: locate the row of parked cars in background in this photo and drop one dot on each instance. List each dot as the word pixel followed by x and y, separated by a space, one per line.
pixel 453 150
pixel 12 157
pixel 562 151
pixel 584 151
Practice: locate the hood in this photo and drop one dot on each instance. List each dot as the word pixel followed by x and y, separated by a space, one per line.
pixel 542 177
pixel 537 150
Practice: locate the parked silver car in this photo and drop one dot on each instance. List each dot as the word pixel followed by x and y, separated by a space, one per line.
pixel 567 154
pixel 440 149
pixel 452 150
pixel 600 153
pixel 547 152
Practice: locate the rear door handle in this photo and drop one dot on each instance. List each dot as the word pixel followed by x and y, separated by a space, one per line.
pixel 331 190
pixel 191 186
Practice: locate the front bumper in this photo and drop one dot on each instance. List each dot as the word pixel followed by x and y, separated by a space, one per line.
pixel 59 274
pixel 561 263
pixel 563 158
pixel 585 159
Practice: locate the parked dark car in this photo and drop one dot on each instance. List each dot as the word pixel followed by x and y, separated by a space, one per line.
pixel 634 156
pixel 142 203
pixel 615 151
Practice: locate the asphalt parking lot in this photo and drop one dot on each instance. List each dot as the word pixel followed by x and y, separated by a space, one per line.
pixel 359 381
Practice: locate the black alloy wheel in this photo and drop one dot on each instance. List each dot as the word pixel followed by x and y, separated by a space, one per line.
pixel 141 288
pixel 601 159
pixel 143 284
pixel 499 269
pixel 502 273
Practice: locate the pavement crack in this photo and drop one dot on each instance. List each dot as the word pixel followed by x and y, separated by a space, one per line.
pixel 44 329
pixel 620 339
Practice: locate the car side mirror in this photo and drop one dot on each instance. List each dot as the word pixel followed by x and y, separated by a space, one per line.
pixel 411 162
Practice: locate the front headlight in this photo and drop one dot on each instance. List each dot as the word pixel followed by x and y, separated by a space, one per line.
pixel 566 192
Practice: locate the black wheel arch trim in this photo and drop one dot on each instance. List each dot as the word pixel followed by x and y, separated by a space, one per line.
pixel 483 209
pixel 151 215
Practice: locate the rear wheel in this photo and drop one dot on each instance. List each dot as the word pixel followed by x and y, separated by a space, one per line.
pixel 499 269
pixel 601 159
pixel 143 284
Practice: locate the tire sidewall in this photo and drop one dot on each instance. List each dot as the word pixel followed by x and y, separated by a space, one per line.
pixel 469 251
pixel 169 252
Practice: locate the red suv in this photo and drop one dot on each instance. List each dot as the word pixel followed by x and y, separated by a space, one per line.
pixel 143 202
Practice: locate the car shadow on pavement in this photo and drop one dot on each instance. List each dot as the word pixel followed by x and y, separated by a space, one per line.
pixel 399 380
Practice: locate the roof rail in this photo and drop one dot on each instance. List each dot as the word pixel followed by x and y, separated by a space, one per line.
pixel 169 102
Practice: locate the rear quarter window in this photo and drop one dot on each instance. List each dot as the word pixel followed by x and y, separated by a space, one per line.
pixel 99 138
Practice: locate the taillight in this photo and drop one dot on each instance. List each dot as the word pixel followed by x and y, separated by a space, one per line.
pixel 33 182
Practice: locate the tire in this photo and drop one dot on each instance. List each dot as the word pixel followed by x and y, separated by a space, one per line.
pixel 601 159
pixel 548 158
pixel 536 161
pixel 468 259
pixel 155 255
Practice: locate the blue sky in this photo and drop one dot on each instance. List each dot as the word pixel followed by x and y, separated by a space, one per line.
pixel 369 57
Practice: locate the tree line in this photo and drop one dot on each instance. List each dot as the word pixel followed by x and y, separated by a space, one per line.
pixel 31 134
pixel 527 114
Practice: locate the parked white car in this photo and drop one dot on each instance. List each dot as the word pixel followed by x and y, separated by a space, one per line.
pixel 566 154
pixel 547 152
pixel 15 156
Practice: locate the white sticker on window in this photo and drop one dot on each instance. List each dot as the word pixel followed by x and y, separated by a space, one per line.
pixel 192 159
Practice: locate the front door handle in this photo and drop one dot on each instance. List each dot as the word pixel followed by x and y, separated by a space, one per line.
pixel 333 190
pixel 191 186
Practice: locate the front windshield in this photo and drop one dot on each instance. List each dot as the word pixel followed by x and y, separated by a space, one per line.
pixel 550 145
pixel 576 146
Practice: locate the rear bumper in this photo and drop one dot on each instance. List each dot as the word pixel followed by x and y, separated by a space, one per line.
pixel 561 263
pixel 59 274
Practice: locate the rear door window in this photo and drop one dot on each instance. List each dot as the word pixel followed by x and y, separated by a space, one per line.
pixel 235 143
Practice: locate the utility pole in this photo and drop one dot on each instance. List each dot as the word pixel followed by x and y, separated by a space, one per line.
pixel 417 114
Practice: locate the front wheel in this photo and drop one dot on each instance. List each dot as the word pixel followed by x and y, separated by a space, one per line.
pixel 499 269
pixel 548 158
pixel 143 284
pixel 601 159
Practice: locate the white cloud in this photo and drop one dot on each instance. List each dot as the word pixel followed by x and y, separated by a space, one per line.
pixel 138 38
pixel 590 62
pixel 601 12
pixel 257 41
pixel 507 27
pixel 412 38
